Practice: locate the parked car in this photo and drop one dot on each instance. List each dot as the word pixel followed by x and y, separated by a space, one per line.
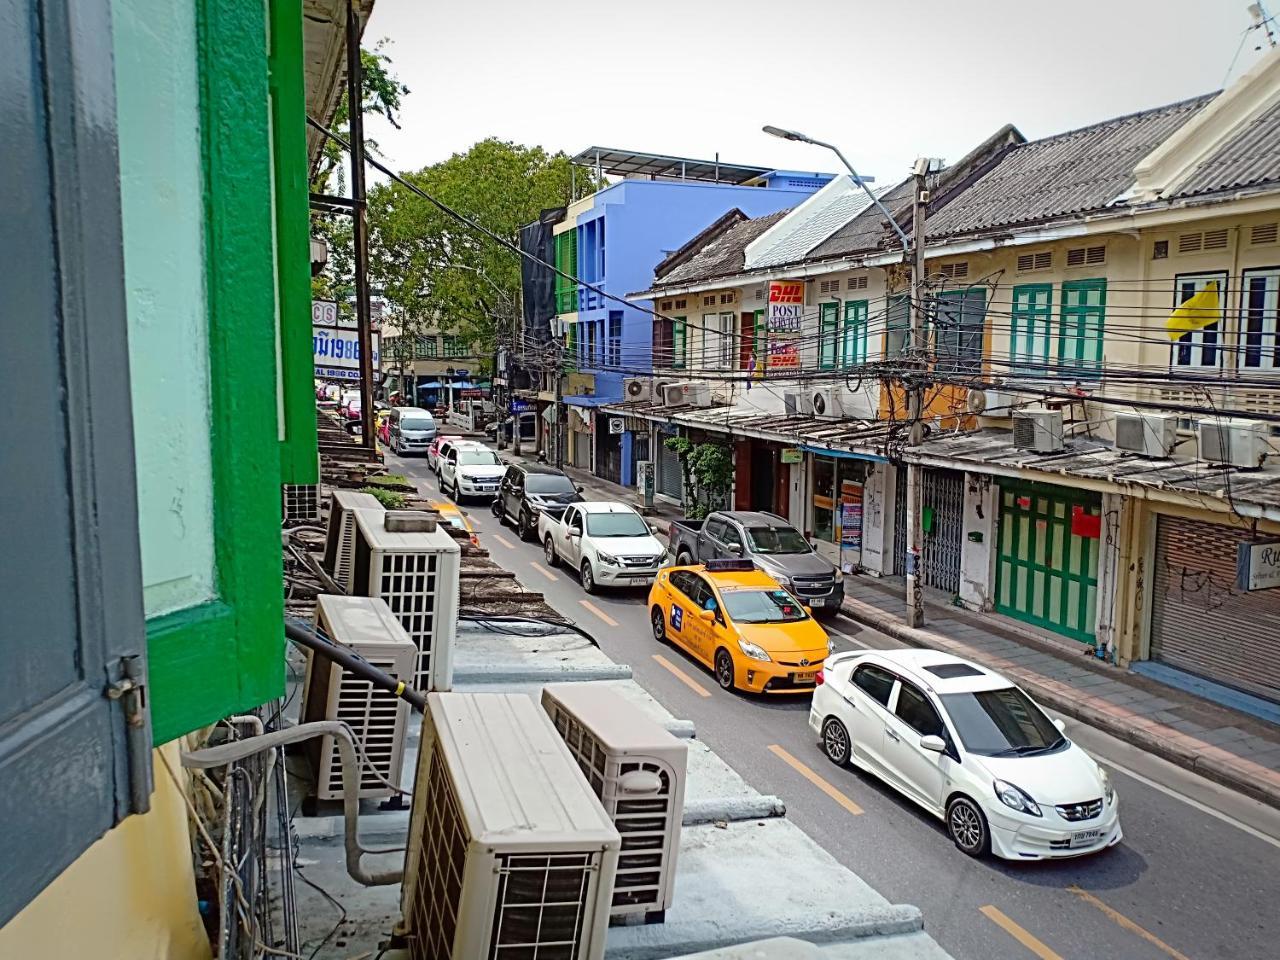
pixel 380 425
pixel 772 544
pixel 345 400
pixel 971 748
pixel 528 428
pixel 738 621
pixel 470 470
pixel 608 543
pixel 410 430
pixel 436 462
pixel 529 490
pixel 451 514
pixel 433 448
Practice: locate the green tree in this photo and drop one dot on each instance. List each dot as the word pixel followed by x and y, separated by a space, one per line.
pixel 439 272
pixel 708 474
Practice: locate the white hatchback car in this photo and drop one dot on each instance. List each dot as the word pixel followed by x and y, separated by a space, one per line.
pixel 970 747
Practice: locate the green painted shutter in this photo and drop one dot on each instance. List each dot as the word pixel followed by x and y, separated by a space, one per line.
pixel 1084 308
pixel 1031 319
pixel 855 332
pixel 677 342
pixel 827 320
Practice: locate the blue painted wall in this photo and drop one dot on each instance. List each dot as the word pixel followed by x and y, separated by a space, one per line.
pixel 640 222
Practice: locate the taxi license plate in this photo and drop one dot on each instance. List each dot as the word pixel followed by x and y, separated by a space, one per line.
pixel 818 602
pixel 808 676
pixel 1085 838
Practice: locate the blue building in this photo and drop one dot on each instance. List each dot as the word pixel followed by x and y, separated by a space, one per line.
pixel 613 240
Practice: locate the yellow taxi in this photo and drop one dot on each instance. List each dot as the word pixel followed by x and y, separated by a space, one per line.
pixel 451 515
pixel 738 621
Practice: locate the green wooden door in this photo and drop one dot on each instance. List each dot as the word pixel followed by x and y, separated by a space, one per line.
pixel 1045 573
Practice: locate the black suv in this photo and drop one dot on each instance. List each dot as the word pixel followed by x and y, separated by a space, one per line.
pixel 529 489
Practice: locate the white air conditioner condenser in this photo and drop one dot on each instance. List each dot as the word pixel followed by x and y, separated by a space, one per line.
pixel 1241 443
pixel 508 845
pixel 692 393
pixel 340 535
pixel 1040 431
pixel 637 769
pixel 417 573
pixel 637 389
pixel 827 403
pixel 797 403
pixel 378 719
pixel 1149 434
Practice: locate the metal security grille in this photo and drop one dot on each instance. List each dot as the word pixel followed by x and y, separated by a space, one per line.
pixel 943 538
pixel 670 479
pixel 373 716
pixel 1200 620
pixel 433 913
pixel 408 583
pixel 610 454
pixel 541 901
pixel 645 823
pixel 301 502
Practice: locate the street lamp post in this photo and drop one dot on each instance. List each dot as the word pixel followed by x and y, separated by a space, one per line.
pixel 915 391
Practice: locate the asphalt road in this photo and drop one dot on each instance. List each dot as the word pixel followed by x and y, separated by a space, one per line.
pixel 1196 877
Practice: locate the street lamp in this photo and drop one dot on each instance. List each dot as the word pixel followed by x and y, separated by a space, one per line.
pixel 784 134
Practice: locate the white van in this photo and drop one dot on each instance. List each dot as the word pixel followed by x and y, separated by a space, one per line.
pixel 410 430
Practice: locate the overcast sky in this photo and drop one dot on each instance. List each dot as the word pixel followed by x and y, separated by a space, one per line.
pixel 886 80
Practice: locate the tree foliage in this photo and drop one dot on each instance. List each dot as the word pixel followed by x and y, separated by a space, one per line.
pixel 708 474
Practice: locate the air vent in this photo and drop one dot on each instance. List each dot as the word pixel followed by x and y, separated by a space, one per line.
pixel 340 537
pixel 955 271
pixel 856 283
pixel 1086 256
pixel 1262 233
pixel 759 293
pixel 1035 261
pixel 1215 239
pixel 709 301
pixel 1160 250
pixel 1191 243
pixel 726 298
pixel 666 305
pixel 301 502
pixel 828 286
pixel 681 304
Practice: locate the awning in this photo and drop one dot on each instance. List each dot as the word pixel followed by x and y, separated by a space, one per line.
pixel 585 401
pixel 428 384
pixel 844 454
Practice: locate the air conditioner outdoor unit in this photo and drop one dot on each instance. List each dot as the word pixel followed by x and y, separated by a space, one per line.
pixel 340 536
pixel 635 389
pixel 1241 443
pixel 300 502
pixel 862 401
pixel 508 845
pixel 417 574
pixel 797 403
pixel 990 403
pixel 637 769
pixel 691 393
pixel 828 403
pixel 1150 434
pixel 1038 430
pixel 378 718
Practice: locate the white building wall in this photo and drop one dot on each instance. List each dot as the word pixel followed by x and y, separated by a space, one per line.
pixel 877 519
pixel 979 546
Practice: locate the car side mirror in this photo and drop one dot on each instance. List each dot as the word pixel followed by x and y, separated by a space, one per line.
pixel 808 609
pixel 734 548
pixel 707 615
pixel 579 489
pixel 1060 724
pixel 933 743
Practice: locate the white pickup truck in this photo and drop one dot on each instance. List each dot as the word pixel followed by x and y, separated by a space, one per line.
pixel 608 543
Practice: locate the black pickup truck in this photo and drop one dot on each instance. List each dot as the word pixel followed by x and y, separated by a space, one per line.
pixel 771 543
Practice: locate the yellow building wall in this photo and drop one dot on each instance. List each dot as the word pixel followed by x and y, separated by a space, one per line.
pixel 130 896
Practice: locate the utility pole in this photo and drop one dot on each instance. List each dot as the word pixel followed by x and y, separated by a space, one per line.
pixel 915 401
pixel 561 426
pixel 360 225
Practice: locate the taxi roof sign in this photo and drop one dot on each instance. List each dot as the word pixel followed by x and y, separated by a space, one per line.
pixel 728 566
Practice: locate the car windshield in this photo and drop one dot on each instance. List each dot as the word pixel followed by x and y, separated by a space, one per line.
pixel 762 606
pixel 620 524
pixel 547 483
pixel 1001 723
pixel 417 423
pixel 776 540
pixel 477 458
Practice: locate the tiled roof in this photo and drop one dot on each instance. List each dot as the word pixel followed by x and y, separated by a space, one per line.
pixel 722 256
pixel 811 223
pixel 1250 158
pixel 1071 173
pixel 867 229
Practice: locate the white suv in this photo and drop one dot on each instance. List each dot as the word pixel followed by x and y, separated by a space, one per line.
pixel 971 748
pixel 608 543
pixel 470 470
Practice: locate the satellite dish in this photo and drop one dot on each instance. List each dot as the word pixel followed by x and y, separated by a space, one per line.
pixel 976 401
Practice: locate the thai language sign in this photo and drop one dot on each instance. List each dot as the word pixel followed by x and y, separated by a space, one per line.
pixel 336 352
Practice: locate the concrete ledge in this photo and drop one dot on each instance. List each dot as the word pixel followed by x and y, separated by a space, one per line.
pixel 732 809
pixel 1155 738
pixel 540 673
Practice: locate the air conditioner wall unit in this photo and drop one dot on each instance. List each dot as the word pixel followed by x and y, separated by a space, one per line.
pixel 828 403
pixel 508 844
pixel 861 402
pixel 637 769
pixel 1241 443
pixel 991 402
pixel 637 389
pixel 417 574
pixel 378 719
pixel 1149 434
pixel 797 403
pixel 691 393
pixel 340 535
pixel 1038 430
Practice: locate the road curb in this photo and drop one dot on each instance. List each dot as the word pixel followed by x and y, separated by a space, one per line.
pixel 1158 739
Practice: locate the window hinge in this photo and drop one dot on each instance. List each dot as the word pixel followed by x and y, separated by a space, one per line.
pixel 130 692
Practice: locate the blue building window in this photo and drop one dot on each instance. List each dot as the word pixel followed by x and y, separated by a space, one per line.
pixel 614 353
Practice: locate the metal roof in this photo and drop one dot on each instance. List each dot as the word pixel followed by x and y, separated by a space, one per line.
pixel 835 205
pixel 1250 158
pixel 867 230
pixel 324 45
pixel 628 163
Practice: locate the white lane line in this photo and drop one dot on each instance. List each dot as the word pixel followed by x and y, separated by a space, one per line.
pixel 504 541
pixel 1191 802
pixel 544 571
pixel 844 636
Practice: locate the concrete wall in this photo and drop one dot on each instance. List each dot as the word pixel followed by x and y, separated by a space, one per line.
pixel 130 896
pixel 979 547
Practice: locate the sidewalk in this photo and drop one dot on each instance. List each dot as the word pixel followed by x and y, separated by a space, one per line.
pixel 1221 744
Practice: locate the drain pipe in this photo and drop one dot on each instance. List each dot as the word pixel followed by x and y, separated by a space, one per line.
pixel 304 635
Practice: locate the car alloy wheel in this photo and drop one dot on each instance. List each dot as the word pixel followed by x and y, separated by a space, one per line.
pixel 724 669
pixel 587 577
pixel 835 741
pixel 967 826
pixel 550 552
pixel 659 622
pixel 525 524
pixel 683 559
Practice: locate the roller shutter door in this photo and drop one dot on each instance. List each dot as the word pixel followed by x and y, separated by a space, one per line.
pixel 1200 621
pixel 670 479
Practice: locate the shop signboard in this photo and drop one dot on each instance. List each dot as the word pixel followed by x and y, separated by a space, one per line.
pixel 850 525
pixel 792 455
pixel 336 353
pixel 1258 565
pixel 324 313
pixel 783 324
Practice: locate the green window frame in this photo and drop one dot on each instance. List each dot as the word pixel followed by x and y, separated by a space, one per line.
pixel 427 347
pixel 678 337
pixel 761 342
pixel 454 346
pixel 854 338
pixel 567 262
pixel 227 655
pixel 897 328
pixel 1031 323
pixel 828 321
pixel 1082 327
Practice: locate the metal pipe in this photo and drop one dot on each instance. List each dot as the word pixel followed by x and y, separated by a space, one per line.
pixel 348 659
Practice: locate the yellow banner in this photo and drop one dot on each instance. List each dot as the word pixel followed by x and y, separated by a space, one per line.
pixel 1198 312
